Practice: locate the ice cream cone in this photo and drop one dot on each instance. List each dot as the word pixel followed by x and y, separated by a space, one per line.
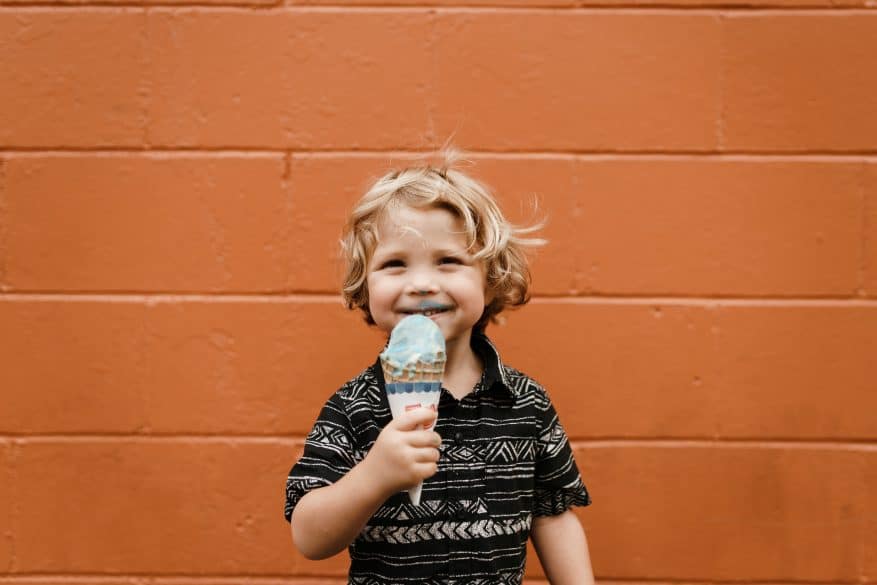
pixel 413 365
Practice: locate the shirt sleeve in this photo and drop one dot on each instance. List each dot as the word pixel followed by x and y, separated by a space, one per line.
pixel 327 457
pixel 558 482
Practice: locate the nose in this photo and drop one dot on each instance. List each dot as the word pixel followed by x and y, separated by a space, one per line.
pixel 422 282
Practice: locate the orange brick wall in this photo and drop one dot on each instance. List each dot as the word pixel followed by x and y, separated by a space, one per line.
pixel 173 178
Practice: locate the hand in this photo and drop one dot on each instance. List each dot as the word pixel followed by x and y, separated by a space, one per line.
pixel 405 454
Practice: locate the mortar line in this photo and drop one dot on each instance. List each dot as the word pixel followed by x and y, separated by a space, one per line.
pixel 720 130
pixel 4 229
pixel 35 577
pixel 864 264
pixel 581 155
pixel 668 8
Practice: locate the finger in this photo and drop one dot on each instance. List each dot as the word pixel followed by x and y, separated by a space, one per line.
pixel 415 418
pixel 424 454
pixel 424 439
pixel 425 470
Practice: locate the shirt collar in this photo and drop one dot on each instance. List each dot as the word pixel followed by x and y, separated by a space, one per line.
pixel 494 371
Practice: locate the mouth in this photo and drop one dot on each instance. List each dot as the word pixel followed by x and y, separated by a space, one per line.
pixel 428 309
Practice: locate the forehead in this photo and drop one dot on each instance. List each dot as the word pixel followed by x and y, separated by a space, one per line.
pixel 425 223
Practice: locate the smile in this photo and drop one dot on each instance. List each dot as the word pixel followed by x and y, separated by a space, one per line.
pixel 428 309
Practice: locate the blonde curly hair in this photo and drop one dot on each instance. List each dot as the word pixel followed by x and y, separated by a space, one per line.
pixel 492 240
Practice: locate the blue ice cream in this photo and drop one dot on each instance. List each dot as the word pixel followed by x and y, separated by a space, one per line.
pixel 414 339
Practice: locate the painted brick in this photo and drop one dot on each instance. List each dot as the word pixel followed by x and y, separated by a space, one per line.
pixel 361 80
pixel 221 580
pixel 729 512
pixel 617 370
pixel 650 370
pixel 710 227
pixel 744 4
pixel 583 3
pixel 13 579
pixel 796 372
pixel 72 367
pixel 694 227
pixel 587 3
pixel 697 227
pixel 324 189
pixel 7 503
pixel 146 223
pixel 712 511
pixel 290 79
pixel 870 232
pixel 233 367
pixel 800 82
pixel 548 190
pixel 448 3
pixel 582 80
pixel 72 78
pixel 673 370
pixel 79 3
pixel 869 550
pixel 182 506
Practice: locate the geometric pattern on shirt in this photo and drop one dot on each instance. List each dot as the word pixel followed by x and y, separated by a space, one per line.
pixel 505 459
pixel 429 509
pixel 328 434
pixel 445 529
pixel 552 440
pixel 508 451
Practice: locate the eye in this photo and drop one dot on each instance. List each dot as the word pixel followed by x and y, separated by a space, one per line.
pixel 391 263
pixel 450 260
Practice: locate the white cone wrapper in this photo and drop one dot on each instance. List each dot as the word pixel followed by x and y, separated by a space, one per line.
pixel 413 364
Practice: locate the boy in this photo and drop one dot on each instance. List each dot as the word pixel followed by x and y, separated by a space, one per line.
pixel 498 467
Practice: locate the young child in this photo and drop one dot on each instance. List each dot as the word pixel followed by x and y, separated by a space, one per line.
pixel 498 468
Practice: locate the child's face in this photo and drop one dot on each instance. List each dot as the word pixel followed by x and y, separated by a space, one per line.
pixel 421 265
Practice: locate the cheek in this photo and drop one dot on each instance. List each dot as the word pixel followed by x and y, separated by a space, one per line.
pixel 379 289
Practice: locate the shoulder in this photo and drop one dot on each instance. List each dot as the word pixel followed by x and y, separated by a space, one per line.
pixel 364 386
pixel 362 402
pixel 525 387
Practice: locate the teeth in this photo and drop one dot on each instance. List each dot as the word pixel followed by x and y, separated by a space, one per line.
pixel 428 312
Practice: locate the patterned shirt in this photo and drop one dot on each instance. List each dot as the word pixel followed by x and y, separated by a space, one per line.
pixel 505 458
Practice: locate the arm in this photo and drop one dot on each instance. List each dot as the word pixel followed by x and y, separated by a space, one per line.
pixel 326 520
pixel 563 549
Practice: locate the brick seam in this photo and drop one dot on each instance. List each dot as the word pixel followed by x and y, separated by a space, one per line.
pixel 206 151
pixel 432 105
pixel 8 533
pixel 721 73
pixel 286 236
pixel 144 89
pixel 15 512
pixel 4 229
pixel 141 367
pixel 864 264
pixel 826 7
pixel 85 578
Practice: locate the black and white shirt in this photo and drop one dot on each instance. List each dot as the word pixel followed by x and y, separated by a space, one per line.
pixel 505 458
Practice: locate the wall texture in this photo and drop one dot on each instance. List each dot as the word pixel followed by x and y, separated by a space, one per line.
pixel 173 179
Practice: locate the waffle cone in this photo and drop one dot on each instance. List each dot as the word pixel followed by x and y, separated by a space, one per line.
pixel 420 372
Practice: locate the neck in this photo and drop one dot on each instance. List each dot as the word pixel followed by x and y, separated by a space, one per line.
pixel 463 367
